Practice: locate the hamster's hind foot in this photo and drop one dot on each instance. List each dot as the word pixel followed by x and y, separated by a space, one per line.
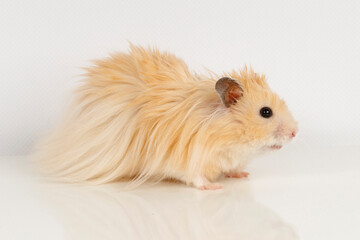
pixel 237 174
pixel 211 186
pixel 203 183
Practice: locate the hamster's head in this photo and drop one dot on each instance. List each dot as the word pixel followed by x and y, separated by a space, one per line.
pixel 259 116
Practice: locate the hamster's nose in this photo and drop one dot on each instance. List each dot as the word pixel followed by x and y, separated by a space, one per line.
pixel 293 134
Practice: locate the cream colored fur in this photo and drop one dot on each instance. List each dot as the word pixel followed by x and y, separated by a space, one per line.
pixel 145 115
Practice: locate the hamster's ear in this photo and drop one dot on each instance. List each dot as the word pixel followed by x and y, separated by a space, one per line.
pixel 229 89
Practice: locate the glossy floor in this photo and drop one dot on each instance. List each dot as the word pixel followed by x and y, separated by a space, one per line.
pixel 295 193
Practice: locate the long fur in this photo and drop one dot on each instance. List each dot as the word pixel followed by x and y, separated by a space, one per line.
pixel 145 115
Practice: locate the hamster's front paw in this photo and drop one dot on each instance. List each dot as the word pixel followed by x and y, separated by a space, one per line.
pixel 237 174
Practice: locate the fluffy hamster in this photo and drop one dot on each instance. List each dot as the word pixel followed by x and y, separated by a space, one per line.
pixel 144 115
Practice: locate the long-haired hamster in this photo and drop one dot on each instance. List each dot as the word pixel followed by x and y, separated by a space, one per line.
pixel 144 115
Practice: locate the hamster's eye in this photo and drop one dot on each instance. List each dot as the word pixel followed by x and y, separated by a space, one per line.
pixel 266 112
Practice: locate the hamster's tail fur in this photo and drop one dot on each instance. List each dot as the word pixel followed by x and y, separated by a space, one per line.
pixel 137 115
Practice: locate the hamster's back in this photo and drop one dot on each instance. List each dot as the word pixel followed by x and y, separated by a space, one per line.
pixel 134 116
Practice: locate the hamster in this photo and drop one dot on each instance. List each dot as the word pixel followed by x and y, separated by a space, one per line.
pixel 143 115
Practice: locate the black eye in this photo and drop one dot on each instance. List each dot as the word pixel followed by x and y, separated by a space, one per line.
pixel 266 112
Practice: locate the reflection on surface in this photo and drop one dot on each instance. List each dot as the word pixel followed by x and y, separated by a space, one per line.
pixel 163 211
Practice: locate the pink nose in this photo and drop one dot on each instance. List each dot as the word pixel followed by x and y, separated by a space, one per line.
pixel 293 134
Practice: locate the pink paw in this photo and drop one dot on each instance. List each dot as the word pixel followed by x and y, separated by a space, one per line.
pixel 211 186
pixel 237 175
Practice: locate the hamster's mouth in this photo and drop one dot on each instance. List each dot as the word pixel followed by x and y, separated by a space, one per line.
pixel 275 146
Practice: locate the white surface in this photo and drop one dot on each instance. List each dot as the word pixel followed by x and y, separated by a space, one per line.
pixel 309 50
pixel 298 192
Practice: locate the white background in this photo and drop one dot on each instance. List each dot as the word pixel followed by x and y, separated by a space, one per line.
pixel 310 51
